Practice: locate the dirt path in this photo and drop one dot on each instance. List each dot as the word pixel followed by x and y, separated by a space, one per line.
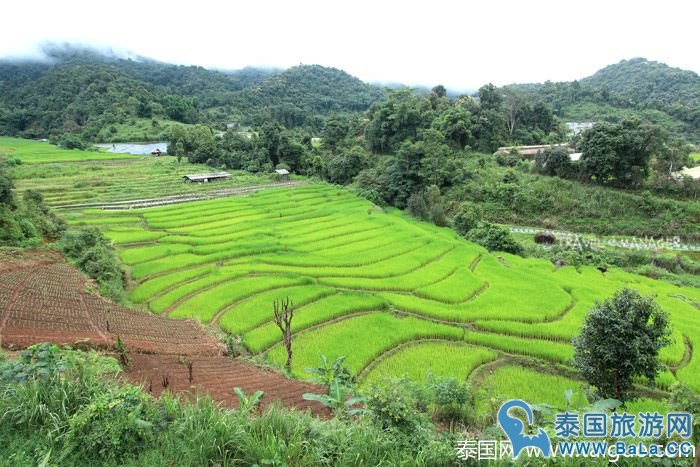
pixel 50 301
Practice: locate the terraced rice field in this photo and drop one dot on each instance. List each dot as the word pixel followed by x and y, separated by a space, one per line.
pixel 43 299
pixel 393 295
pixel 75 177
pixel 512 381
pixel 35 152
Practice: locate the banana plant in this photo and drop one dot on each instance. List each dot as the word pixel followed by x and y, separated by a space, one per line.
pixel 338 399
pixel 248 403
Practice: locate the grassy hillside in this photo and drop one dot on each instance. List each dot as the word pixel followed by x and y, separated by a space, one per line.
pixel 72 177
pixel 33 152
pixel 356 273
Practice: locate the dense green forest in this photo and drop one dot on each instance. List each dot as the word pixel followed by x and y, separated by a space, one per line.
pixel 81 92
pixel 661 94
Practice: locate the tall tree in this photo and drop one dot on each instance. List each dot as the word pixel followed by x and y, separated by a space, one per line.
pixel 621 339
pixel 619 154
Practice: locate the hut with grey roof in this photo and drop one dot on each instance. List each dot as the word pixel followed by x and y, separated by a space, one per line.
pixel 205 178
pixel 282 175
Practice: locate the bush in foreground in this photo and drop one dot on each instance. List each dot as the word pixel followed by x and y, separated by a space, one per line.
pixel 66 407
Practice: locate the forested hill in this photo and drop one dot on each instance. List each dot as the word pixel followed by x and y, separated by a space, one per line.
pixel 301 94
pixel 82 91
pixel 651 90
pixel 650 83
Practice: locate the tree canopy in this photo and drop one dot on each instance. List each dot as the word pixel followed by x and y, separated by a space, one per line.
pixel 621 339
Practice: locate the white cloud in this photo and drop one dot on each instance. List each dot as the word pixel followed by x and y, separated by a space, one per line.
pixel 459 44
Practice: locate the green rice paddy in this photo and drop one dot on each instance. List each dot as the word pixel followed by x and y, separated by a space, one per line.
pixel 66 177
pixel 35 152
pixel 395 296
pixel 398 298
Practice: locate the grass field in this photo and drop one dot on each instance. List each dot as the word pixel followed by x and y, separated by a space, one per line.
pixel 695 157
pixel 35 152
pixel 393 295
pixel 75 177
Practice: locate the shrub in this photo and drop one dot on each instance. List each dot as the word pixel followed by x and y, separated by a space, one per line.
pixel 494 238
pixel 115 423
pixel 554 162
pixel 467 218
pixel 507 160
pixel 417 206
pixel 46 224
pixel 450 398
pixel 95 256
pixel 394 404
pixel 71 141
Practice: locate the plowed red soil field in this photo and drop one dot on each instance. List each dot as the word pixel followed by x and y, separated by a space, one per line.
pixel 44 299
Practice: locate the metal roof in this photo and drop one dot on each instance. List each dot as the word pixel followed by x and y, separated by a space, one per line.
pixel 207 176
pixel 282 171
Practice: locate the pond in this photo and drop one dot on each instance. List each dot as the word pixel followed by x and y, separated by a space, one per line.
pixel 134 148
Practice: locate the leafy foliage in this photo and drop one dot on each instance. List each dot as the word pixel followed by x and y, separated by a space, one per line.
pixel 95 256
pixel 331 372
pixel 621 338
pixel 395 404
pixel 248 403
pixel 26 222
pixel 339 399
pixel 82 93
pixel 618 154
pixel 494 238
pixel 78 418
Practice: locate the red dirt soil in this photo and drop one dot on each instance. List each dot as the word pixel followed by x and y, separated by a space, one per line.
pixel 44 299
pixel 217 376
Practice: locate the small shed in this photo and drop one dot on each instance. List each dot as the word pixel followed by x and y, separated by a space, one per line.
pixel 282 175
pixel 205 178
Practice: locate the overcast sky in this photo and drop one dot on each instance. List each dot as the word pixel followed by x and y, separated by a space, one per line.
pixel 460 44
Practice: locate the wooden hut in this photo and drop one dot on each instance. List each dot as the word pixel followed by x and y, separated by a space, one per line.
pixel 282 175
pixel 205 178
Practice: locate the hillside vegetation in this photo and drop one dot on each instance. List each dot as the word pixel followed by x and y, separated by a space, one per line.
pixel 661 94
pixel 379 277
pixel 83 92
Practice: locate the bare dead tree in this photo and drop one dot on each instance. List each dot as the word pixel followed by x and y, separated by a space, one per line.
pixel 284 312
